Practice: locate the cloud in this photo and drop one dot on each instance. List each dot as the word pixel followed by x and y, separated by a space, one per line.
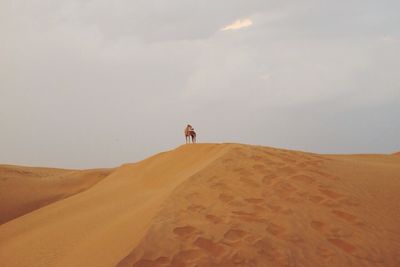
pixel 238 24
pixel 88 76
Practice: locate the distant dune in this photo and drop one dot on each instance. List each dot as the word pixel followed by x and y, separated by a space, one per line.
pixel 214 205
pixel 24 189
pixel 396 154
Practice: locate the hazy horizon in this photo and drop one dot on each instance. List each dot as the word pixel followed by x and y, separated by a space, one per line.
pixel 87 84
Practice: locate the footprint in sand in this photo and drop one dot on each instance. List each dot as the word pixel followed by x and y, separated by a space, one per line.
pixel 330 193
pixel 316 199
pixel 317 225
pixel 219 186
pixel 184 231
pixel 254 200
pixel 249 182
pixel 343 245
pixel 228 160
pixel 302 164
pixel 286 158
pixel 267 249
pixel 324 252
pixel 210 247
pixel 325 175
pixel 268 162
pixel 347 216
pixel 243 171
pixel 286 170
pixel 151 263
pixel 243 213
pixel 233 235
pixel 214 219
pixel 274 208
pixel 303 178
pixel 192 196
pixel 259 167
pixel 212 179
pixel 225 197
pixel 350 202
pixel 331 203
pixel 195 208
pixel 185 257
pixel 248 216
pixel 303 194
pixel 256 158
pixel 294 200
pixel 267 179
pixel 341 232
pixel 259 208
pixel 315 163
pixel 275 229
pixel 284 189
pixel 237 203
pixel 294 238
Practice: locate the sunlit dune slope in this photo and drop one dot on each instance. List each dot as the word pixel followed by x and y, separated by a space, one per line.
pixel 101 225
pixel 221 205
pixel 23 189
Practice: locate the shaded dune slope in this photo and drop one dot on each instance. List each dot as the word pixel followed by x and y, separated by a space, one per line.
pixel 221 205
pixel 24 189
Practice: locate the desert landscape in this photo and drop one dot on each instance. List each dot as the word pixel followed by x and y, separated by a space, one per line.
pixel 206 205
pixel 199 133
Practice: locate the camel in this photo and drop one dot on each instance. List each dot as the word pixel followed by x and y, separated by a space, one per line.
pixel 190 133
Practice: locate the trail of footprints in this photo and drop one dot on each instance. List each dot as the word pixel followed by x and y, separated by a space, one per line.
pixel 257 209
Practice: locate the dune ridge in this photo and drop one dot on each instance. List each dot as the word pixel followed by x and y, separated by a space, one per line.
pixel 221 205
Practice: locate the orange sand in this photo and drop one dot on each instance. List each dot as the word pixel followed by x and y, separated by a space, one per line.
pixel 24 189
pixel 221 205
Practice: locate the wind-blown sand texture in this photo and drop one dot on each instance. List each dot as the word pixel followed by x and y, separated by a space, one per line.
pixel 221 205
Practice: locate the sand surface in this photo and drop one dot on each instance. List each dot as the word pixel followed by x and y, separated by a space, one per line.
pixel 24 189
pixel 220 205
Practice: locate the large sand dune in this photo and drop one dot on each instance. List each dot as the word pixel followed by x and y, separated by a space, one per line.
pixel 221 205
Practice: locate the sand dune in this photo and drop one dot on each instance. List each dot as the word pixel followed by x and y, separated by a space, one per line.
pixel 24 189
pixel 221 205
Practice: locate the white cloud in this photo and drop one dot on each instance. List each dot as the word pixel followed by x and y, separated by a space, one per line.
pixel 239 24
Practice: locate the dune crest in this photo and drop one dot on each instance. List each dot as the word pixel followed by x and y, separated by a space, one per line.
pixel 221 205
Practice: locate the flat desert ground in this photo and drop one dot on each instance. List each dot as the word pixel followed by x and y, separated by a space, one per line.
pixel 206 205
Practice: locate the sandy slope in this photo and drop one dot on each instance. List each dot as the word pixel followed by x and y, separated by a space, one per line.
pixel 24 189
pixel 221 205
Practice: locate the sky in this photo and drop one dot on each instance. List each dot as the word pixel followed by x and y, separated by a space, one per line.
pixel 95 83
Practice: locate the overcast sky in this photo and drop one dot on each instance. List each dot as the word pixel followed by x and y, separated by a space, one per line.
pixel 99 83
